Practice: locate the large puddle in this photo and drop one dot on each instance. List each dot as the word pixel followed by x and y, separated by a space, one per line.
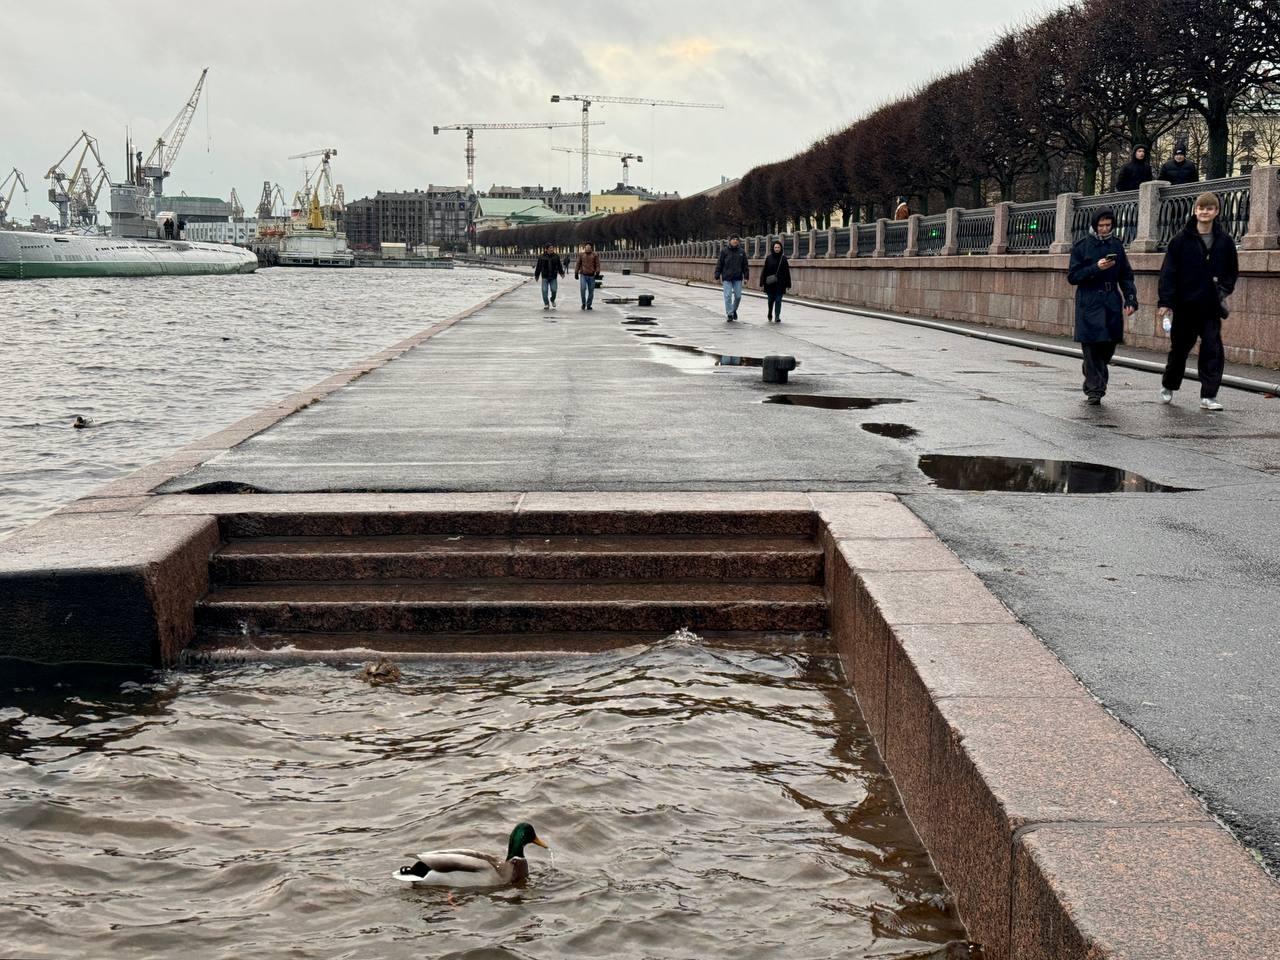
pixel 696 360
pixel 825 402
pixel 1025 475
pixel 698 803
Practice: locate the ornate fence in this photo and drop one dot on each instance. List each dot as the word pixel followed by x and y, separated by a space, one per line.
pixel 976 231
pixel 1177 204
pixel 932 235
pixel 1123 205
pixel 1031 226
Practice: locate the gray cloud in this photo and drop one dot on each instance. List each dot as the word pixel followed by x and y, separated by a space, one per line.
pixel 372 79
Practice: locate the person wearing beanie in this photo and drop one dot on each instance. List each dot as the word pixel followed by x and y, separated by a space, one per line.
pixel 1105 295
pixel 1136 172
pixel 1199 273
pixel 1179 169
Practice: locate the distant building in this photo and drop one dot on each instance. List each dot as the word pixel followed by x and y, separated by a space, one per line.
pixel 569 204
pixel 194 209
pixel 224 231
pixel 437 215
pixel 623 198
pixel 500 212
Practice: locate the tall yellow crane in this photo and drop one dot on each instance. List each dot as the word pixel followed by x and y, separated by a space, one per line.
pixel 586 99
pixel 163 155
pixel 471 129
pixel 76 194
pixel 319 206
pixel 626 159
pixel 12 181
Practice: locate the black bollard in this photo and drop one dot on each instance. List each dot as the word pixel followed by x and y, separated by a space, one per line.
pixel 646 299
pixel 626 271
pixel 776 368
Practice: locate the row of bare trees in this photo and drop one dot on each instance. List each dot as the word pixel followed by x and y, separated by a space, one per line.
pixel 1041 110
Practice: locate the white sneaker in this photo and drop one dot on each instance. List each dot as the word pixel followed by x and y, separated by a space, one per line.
pixel 1166 396
pixel 1207 403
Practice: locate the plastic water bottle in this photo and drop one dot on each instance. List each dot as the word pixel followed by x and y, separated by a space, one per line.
pixel 1168 322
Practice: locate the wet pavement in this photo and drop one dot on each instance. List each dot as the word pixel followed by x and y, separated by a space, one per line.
pixel 1163 603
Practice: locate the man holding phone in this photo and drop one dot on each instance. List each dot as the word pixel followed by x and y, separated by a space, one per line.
pixel 1105 296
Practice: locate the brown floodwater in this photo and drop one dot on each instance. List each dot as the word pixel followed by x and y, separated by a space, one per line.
pixel 698 803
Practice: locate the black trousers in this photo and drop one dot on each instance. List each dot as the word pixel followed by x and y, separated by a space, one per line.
pixel 1192 323
pixel 1097 370
pixel 774 294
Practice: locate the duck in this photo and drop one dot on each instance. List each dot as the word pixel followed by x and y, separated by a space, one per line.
pixel 384 671
pixel 81 423
pixel 469 868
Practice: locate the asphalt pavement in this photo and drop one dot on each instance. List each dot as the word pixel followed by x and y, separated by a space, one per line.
pixel 1165 605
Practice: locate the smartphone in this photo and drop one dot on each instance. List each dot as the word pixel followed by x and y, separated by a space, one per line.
pixel 1109 256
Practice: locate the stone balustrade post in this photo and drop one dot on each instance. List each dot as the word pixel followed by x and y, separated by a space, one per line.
pixel 913 236
pixel 1147 237
pixel 1000 232
pixel 795 246
pixel 881 224
pixel 951 242
pixel 853 240
pixel 813 243
pixel 1264 209
pixel 831 242
pixel 1063 223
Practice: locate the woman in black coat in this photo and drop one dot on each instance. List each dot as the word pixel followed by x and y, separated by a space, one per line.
pixel 1105 295
pixel 1199 273
pixel 775 280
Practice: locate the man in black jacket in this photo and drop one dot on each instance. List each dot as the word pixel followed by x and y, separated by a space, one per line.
pixel 1179 169
pixel 1136 172
pixel 550 269
pixel 1199 273
pixel 1105 295
pixel 732 270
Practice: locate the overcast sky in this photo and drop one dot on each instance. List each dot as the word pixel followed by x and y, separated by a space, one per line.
pixel 373 78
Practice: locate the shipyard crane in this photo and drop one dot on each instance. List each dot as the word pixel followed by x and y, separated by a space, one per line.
pixel 237 208
pixel 587 99
pixel 76 194
pixel 471 129
pixel 264 202
pixel 158 165
pixel 320 207
pixel 11 182
pixel 626 159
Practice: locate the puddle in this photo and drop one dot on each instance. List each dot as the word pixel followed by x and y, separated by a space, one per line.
pixel 897 431
pixel 1027 475
pixel 1032 363
pixel 696 360
pixel 659 336
pixel 639 322
pixel 823 402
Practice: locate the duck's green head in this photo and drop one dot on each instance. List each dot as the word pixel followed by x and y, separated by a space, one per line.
pixel 522 836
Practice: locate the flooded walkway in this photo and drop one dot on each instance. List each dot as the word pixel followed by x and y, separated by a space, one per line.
pixel 1162 603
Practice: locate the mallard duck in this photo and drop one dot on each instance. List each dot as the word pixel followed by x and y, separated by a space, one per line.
pixel 469 868
pixel 384 671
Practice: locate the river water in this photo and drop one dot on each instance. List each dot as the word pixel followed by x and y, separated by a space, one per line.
pixel 156 362
pixel 698 803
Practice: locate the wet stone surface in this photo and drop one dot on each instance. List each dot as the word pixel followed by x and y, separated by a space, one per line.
pixel 1028 475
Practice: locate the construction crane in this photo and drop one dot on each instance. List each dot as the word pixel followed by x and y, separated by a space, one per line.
pixel 471 129
pixel 587 99
pixel 237 208
pixel 158 165
pixel 264 202
pixel 626 159
pixel 12 182
pixel 76 194
pixel 319 206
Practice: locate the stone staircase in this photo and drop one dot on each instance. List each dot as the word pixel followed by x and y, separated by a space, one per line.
pixel 412 584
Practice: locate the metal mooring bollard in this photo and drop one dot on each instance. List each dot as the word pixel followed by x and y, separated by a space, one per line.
pixel 776 368
pixel 626 271
pixel 646 299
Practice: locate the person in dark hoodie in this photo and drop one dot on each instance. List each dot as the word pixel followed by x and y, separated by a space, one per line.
pixel 775 280
pixel 732 270
pixel 1179 169
pixel 1136 172
pixel 1105 295
pixel 1198 274
pixel 550 268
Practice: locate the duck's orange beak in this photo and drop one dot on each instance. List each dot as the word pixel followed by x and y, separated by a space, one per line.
pixel 542 844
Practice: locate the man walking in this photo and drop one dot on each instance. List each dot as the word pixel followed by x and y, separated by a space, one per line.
pixel 1105 295
pixel 1199 273
pixel 550 269
pixel 1136 172
pixel 584 271
pixel 732 270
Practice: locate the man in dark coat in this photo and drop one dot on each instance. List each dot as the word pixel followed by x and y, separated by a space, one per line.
pixel 1199 273
pixel 1105 295
pixel 550 268
pixel 1179 169
pixel 732 270
pixel 775 280
pixel 1136 172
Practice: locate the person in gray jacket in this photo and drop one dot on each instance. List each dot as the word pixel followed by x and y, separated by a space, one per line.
pixel 732 270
